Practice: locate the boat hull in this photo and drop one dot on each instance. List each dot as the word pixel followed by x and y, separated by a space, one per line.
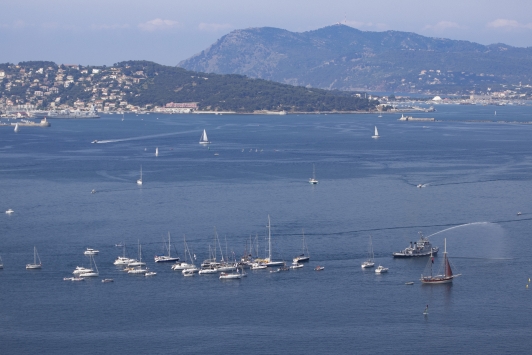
pixel 436 280
pixel 415 255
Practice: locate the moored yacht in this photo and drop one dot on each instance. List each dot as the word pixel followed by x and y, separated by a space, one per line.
pixel 90 251
pixel 166 258
pixel 36 257
pixel 381 269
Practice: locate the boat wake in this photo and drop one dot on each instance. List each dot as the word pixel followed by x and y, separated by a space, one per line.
pixel 141 137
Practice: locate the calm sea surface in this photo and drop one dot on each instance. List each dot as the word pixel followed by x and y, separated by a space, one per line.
pixel 477 176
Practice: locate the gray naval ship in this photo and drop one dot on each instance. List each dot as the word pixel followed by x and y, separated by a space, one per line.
pixel 420 248
pixel 66 114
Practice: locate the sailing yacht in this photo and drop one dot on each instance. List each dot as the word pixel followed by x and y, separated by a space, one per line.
pixel 93 272
pixel 304 256
pixel 139 181
pixel 370 262
pixel 157 151
pixel 123 260
pixel 183 265
pixel 166 258
pixel 35 257
pixel 376 133
pixel 269 261
pixel 16 128
pixel 313 180
pixel 447 275
pixel 204 139
pixel 138 262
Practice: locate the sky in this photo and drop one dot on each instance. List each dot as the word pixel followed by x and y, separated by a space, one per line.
pixel 98 32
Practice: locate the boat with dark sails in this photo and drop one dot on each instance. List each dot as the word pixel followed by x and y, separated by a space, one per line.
pixel 444 278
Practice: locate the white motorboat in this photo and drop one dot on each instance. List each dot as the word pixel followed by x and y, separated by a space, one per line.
pixel 313 180
pixel 370 262
pixel 188 272
pixel 381 269
pixel 296 265
pixel 36 257
pixel 93 191
pixel 229 276
pixel 123 260
pixel 107 280
pixel 93 270
pixel 208 270
pixel 81 270
pixel 91 251
pixel 137 270
pixel 442 278
pixel 258 266
pixel 150 273
pixel 305 255
pixel 166 258
pixel 139 181
pixel 319 268
pixel 9 211
pixel 73 279
pixel 376 134
pixel 204 139
pixel 181 265
pixel 226 267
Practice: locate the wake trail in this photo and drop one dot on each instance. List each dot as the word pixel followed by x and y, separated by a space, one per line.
pixel 143 137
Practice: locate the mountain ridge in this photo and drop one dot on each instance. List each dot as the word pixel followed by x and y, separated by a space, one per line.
pixel 344 58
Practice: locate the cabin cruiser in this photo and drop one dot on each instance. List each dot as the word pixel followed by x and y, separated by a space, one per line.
pixel 422 247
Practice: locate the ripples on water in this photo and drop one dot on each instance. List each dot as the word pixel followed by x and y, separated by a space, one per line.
pixel 472 173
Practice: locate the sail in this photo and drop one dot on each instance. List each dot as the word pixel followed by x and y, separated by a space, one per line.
pixel 376 132
pixel 448 270
pixel 204 138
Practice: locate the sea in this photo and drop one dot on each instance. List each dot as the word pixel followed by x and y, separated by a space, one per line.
pixel 474 165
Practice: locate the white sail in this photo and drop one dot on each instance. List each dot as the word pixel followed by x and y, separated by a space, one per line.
pixel 376 133
pixel 16 127
pixel 204 139
pixel 157 151
pixel 139 181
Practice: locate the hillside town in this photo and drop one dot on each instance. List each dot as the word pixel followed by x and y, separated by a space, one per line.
pixel 37 87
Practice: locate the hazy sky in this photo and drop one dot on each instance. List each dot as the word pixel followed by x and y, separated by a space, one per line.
pixel 100 32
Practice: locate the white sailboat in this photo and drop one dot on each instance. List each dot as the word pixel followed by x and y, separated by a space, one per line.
pixel 204 139
pixel 166 258
pixel 376 133
pixel 139 181
pixel 305 255
pixel 269 261
pixel 313 180
pixel 93 271
pixel 157 151
pixel 184 266
pixel 16 128
pixel 138 262
pixel 35 265
pixel 370 262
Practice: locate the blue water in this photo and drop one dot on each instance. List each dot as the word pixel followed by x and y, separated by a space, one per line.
pixel 477 175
